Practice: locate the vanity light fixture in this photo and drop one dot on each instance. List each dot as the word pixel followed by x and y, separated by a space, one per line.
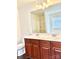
pixel 42 4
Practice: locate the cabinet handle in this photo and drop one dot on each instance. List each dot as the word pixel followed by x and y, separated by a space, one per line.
pixel 45 47
pixel 57 49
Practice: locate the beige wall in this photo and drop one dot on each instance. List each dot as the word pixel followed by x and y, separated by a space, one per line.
pixel 24 21
pixel 23 24
pixel 18 29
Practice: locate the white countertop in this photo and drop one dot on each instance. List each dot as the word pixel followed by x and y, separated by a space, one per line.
pixel 48 37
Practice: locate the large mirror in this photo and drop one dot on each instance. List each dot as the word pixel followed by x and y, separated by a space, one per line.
pixel 47 20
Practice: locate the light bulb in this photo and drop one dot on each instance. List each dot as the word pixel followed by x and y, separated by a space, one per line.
pixel 48 1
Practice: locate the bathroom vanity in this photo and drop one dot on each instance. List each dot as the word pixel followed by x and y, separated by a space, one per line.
pixel 42 48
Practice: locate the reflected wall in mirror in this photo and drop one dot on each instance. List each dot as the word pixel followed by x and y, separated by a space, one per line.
pixel 56 23
pixel 38 21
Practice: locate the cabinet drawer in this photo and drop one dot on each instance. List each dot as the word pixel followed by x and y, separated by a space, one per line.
pixel 44 44
pixel 36 42
pixel 56 44
pixel 27 41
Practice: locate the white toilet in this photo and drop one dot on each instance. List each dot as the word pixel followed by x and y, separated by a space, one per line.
pixel 20 49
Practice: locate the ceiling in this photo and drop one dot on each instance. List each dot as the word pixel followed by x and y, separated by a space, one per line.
pixel 28 1
pixel 21 3
pixel 24 2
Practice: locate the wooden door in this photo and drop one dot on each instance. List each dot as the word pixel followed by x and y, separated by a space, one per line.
pixel 35 49
pixel 55 50
pixel 52 52
pixel 45 49
pixel 57 53
pixel 28 47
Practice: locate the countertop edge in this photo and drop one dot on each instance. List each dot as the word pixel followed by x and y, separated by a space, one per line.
pixel 42 39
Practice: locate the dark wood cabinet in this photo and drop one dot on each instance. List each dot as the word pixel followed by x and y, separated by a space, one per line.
pixel 57 53
pixel 42 49
pixel 52 53
pixel 45 49
pixel 35 49
pixel 55 50
pixel 28 47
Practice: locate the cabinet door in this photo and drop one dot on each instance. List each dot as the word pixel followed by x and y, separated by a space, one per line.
pixel 52 53
pixel 45 49
pixel 35 49
pixel 57 53
pixel 28 47
pixel 55 50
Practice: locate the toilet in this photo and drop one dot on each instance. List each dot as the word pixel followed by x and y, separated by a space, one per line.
pixel 20 49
